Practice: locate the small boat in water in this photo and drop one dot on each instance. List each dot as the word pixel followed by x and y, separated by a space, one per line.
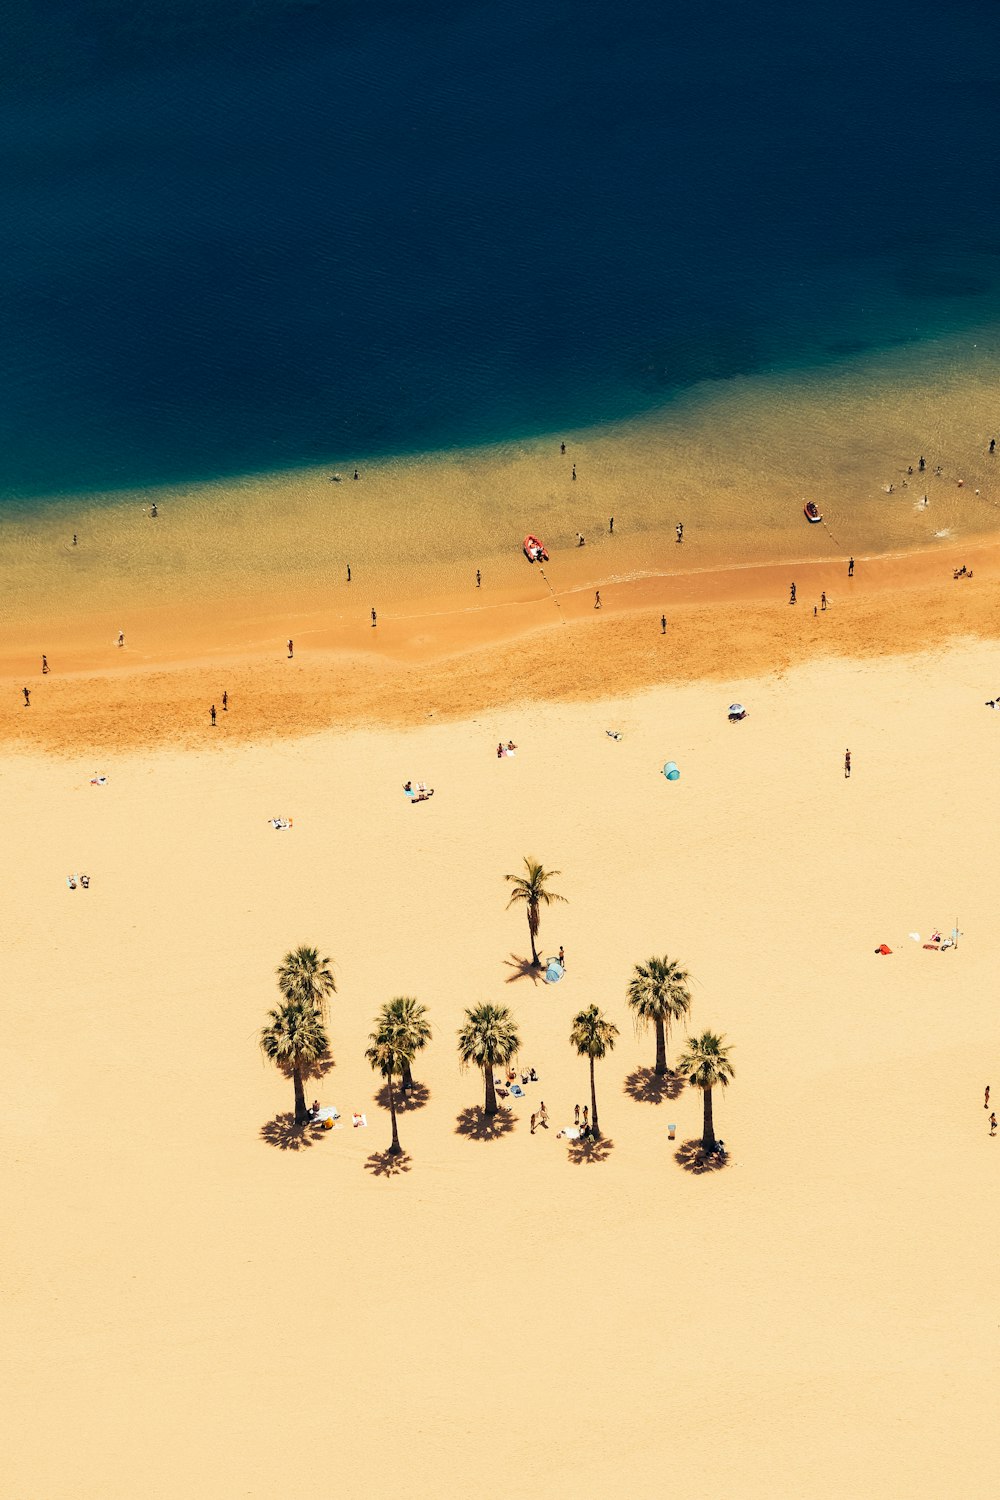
pixel 811 512
pixel 534 550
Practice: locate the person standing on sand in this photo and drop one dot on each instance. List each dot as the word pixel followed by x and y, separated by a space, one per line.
pixel 597 598
pixel 543 1116
pixel 986 1101
pixel 611 526
pixel 993 445
pixel 479 579
pixel 562 958
pixel 679 528
pixel 213 715
pixel 562 447
pixel 533 1124
pixel 374 617
pixel 663 624
pixel 850 567
pixel 74 539
pixel 27 697
pixel 291 648
pixel 791 597
pixel 574 471
pixel 45 665
pixel 823 600
pixel 993 1124
pixel 576 1114
pixel 847 763
pixel 225 702
pixel 815 611
pixel 348 572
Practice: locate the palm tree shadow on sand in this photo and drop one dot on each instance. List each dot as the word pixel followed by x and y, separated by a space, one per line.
pixel 693 1159
pixel 523 969
pixel 384 1164
pixel 283 1133
pixel 588 1151
pixel 414 1098
pixel 479 1126
pixel 647 1087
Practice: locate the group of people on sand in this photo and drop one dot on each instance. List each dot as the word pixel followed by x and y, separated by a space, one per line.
pixel 507 749
pixel 418 793
pixel 962 572
pixel 74 880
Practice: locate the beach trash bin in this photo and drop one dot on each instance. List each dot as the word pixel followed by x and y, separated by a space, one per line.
pixel 670 771
pixel 671 1132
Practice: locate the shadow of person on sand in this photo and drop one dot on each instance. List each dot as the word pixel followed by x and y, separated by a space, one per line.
pixel 693 1159
pixel 585 1151
pixel 384 1164
pixel 478 1126
pixel 414 1098
pixel 283 1133
pixel 647 1087
pixel 523 969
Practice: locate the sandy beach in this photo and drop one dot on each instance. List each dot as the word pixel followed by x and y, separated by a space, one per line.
pixel 192 1287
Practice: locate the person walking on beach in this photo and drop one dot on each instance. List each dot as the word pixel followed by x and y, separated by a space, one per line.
pixel 225 702
pixel 580 539
pixel 533 1124
pixel 993 445
pixel 121 637
pixel 543 1115
pixel 348 572
pixel 374 617
pixel 291 648
pixel 576 1114
pixel 993 1124
pixel 679 528
pixel 74 539
pixel 479 579
pixel 597 598
pixel 815 611
pixel 921 465
pixel 850 567
pixel 611 526
pixel 45 665
pixel 663 624
pixel 986 1101
pixel 791 597
pixel 847 763
pixel 27 697
pixel 822 600
pixel 562 447
pixel 574 471
pixel 213 715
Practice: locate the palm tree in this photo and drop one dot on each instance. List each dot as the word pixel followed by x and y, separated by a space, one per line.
pixel 305 979
pixel 294 1039
pixel 593 1036
pixel 488 1040
pixel 706 1065
pixel 658 994
pixel 531 890
pixel 409 1018
pixel 388 1054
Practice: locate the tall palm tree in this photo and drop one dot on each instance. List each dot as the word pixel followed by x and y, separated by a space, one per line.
pixel 531 890
pixel 306 979
pixel 294 1039
pixel 388 1054
pixel 705 1064
pixel 409 1018
pixel 658 994
pixel 488 1040
pixel 593 1036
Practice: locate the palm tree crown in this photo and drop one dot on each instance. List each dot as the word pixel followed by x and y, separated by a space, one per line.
pixel 531 889
pixel 658 994
pixel 488 1040
pixel 295 1039
pixel 306 979
pixel 705 1064
pixel 407 1018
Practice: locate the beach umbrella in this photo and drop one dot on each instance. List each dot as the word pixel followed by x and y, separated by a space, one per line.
pixel 670 771
pixel 737 708
pixel 554 972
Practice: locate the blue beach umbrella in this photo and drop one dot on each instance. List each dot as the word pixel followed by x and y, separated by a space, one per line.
pixel 670 771
pixel 554 972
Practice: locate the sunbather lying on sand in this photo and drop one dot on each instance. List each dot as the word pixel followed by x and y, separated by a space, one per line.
pixel 613 734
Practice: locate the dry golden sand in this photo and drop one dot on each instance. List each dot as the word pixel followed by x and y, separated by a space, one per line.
pixel 196 1308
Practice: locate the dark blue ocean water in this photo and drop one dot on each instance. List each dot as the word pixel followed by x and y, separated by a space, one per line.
pixel 240 236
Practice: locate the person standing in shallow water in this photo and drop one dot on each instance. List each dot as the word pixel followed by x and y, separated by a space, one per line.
pixel 611 526
pixel 574 471
pixel 27 697
pixel 479 579
pixel 663 624
pixel 791 597
pixel 348 572
pixel 850 567
pixel 993 445
pixel 374 617
pixel 291 648
pixel 225 702
pixel 213 715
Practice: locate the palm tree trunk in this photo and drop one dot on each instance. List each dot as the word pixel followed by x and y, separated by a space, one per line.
pixel 593 1103
pixel 661 1049
pixel 708 1127
pixel 407 1077
pixel 301 1113
pixel 491 1093
pixel 395 1149
pixel 532 929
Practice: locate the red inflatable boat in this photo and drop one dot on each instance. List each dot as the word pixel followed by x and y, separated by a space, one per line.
pixel 534 550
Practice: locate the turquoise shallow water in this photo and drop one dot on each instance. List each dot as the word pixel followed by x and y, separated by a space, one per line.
pixel 250 240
